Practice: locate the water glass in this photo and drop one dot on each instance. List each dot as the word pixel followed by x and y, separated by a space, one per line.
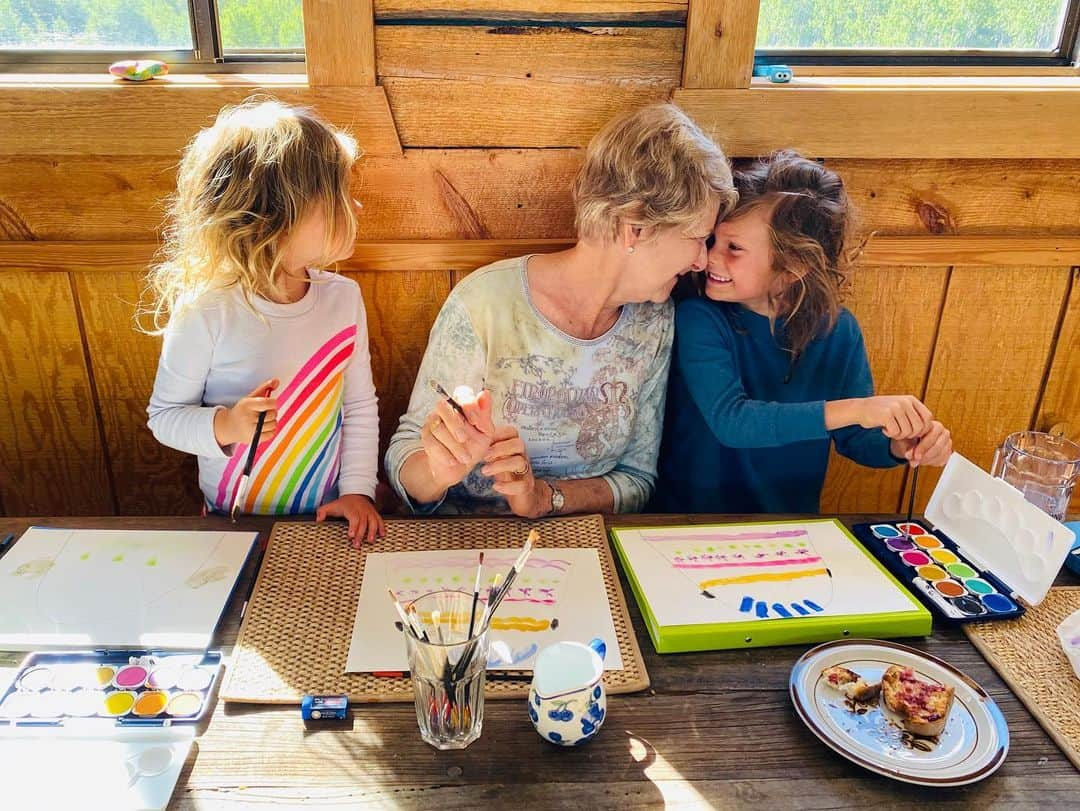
pixel 448 670
pixel 1044 467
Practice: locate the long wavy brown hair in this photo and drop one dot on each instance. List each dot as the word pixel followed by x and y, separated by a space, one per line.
pixel 244 183
pixel 811 222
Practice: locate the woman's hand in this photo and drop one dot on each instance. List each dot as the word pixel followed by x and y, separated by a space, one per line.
pixel 508 463
pixel 932 448
pixel 237 424
pixel 365 523
pixel 455 444
pixel 899 416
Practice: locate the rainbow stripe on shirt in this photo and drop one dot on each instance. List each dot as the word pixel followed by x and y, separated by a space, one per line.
pixel 293 472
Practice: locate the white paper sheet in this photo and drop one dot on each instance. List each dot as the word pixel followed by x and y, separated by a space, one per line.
pixel 117 588
pixel 563 588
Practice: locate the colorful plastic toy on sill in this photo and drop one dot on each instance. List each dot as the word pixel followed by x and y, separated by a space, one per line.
pixel 777 74
pixel 986 547
pixel 139 70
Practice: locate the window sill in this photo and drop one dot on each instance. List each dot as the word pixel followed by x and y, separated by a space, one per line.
pixel 202 80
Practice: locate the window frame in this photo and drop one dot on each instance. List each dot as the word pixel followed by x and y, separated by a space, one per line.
pixel 1064 54
pixel 207 55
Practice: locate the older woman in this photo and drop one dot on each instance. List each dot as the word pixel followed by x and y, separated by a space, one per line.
pixel 571 348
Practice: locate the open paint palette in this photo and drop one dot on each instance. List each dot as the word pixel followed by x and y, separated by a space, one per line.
pixel 985 548
pixel 144 688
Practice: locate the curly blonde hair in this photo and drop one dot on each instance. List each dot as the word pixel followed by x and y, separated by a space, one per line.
pixel 653 168
pixel 244 184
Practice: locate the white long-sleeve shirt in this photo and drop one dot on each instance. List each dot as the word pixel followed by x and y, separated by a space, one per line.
pixel 328 424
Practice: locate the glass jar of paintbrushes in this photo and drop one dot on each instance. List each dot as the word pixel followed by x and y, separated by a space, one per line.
pixel 446 640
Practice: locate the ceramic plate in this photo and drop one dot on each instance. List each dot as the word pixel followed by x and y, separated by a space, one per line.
pixel 973 745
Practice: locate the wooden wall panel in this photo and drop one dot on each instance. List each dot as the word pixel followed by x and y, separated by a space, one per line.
pixel 150 479
pixel 525 193
pixel 566 11
pixel 993 347
pixel 509 113
pixel 720 39
pixel 401 308
pixel 1060 404
pixel 339 39
pixel 854 122
pixel 897 308
pixel 159 119
pixel 1030 197
pixel 589 55
pixel 51 453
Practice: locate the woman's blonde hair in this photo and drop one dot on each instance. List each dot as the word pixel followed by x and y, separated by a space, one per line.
pixel 244 184
pixel 652 168
pixel 811 221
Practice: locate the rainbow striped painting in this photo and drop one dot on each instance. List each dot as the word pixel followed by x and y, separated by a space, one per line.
pixel 294 471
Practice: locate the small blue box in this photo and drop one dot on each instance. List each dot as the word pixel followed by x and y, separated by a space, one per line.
pixel 322 708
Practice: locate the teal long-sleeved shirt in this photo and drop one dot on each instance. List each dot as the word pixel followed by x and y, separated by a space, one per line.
pixel 745 429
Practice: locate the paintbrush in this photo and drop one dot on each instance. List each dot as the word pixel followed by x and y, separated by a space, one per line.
pixel 475 594
pixel 454 404
pixel 401 612
pixel 416 625
pixel 911 498
pixel 242 485
pixel 519 564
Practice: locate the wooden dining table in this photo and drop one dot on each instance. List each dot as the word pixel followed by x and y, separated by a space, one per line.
pixel 715 729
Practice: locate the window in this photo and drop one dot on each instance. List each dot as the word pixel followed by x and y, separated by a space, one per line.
pixel 926 32
pixel 40 34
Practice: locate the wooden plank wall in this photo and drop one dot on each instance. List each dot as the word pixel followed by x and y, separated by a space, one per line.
pixel 473 116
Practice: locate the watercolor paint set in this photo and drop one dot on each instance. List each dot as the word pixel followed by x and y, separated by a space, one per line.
pixel 144 688
pixel 982 550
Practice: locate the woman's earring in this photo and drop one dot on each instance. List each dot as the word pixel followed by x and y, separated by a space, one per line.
pixel 630 249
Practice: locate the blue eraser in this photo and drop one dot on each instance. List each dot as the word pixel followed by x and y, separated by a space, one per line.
pixel 322 708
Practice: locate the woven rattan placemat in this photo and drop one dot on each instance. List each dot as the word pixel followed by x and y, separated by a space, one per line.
pixel 1027 655
pixel 296 631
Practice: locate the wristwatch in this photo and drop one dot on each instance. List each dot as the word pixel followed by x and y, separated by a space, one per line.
pixel 557 500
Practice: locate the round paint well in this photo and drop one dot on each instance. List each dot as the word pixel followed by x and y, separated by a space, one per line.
pixel 36 678
pixel 83 703
pixel 927 541
pixel 49 704
pixel 74 677
pixel 885 531
pixel 130 676
pixel 900 544
pixel 16 705
pixel 164 678
pixel 183 705
pixel 978 586
pixel 950 588
pixel 998 603
pixel 944 556
pixel 911 529
pixel 969 606
pixel 932 573
pixel 151 703
pixel 961 570
pixel 104 675
pixel 194 678
pixel 119 703
pixel 915 558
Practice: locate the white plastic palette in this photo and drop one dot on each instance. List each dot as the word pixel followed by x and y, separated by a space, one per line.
pixel 998 529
